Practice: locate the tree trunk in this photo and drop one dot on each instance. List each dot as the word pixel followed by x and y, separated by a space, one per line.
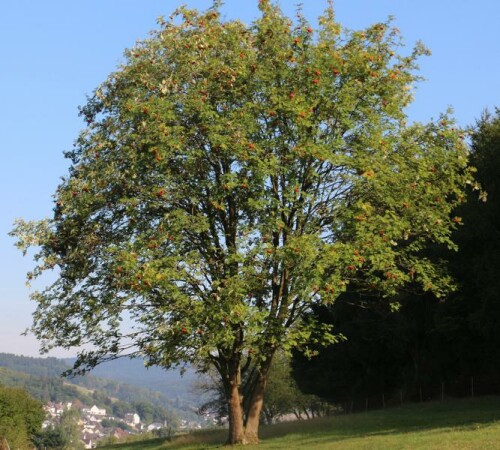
pixel 244 419
pixel 255 408
pixel 236 428
pixel 268 415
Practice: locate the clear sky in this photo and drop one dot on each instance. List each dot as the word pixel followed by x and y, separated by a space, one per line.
pixel 55 52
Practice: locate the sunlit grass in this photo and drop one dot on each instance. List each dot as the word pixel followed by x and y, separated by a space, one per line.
pixel 449 425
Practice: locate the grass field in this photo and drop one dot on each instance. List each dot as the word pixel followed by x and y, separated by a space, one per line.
pixel 448 425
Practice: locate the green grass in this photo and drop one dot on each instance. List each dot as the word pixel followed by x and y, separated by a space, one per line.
pixel 449 425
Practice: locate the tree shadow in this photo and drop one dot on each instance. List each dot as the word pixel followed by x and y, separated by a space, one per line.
pixel 457 414
pixel 463 415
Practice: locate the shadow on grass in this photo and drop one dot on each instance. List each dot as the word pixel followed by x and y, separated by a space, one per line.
pixel 460 415
pixel 457 414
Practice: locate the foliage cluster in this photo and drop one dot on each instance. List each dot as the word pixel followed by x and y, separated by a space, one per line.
pixel 428 342
pixel 21 417
pixel 65 435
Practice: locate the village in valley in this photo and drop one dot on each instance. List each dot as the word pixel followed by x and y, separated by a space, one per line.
pixel 96 424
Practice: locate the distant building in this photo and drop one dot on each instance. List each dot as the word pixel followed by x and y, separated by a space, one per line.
pixel 56 409
pixel 90 440
pixel 132 419
pixel 118 433
pixel 92 426
pixel 97 411
pixel 155 426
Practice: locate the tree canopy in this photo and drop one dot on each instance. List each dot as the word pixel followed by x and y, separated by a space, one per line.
pixel 21 417
pixel 231 176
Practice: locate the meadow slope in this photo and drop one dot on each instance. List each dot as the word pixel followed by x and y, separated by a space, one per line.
pixel 449 425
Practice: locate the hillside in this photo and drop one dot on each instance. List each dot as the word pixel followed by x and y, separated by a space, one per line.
pixel 450 425
pixel 45 389
pixel 133 371
pixel 42 378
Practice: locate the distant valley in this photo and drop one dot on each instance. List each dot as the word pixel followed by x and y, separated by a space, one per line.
pixel 123 380
pixel 133 371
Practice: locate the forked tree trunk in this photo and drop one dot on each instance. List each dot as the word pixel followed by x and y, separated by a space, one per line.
pixel 245 430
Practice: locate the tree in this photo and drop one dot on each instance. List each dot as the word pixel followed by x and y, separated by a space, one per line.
pixel 282 395
pixel 21 417
pixel 115 423
pixel 65 435
pixel 145 411
pixel 230 177
pixel 70 429
pixel 471 314
pixel 51 437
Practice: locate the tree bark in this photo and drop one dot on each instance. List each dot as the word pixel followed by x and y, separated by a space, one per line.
pixel 236 427
pixel 253 416
pixel 256 404
pixel 245 408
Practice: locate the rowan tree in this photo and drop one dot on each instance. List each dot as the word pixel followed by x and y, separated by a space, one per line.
pixel 229 177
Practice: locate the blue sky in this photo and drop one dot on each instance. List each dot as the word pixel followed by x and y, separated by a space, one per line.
pixel 55 52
